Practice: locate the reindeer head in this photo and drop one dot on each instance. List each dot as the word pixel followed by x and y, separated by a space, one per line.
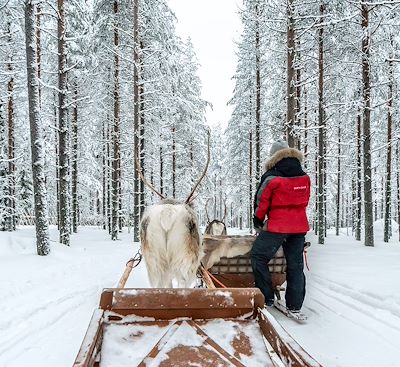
pixel 215 227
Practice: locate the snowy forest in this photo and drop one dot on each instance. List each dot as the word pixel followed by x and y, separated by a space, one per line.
pixel 86 84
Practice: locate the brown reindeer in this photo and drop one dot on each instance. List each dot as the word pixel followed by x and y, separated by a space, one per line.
pixel 215 227
pixel 170 237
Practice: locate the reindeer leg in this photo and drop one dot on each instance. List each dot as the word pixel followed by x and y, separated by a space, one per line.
pixel 165 280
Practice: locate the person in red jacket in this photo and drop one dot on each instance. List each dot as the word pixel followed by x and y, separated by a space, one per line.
pixel 280 218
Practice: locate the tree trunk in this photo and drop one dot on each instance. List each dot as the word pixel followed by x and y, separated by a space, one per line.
pixel 63 129
pixel 75 162
pixel 250 211
pixel 173 164
pixel 305 130
pixel 388 189
pixel 120 218
pixel 291 90
pixel 3 168
pixel 39 187
pixel 321 131
pixel 359 183
pixel 10 220
pixel 398 186
pixel 368 203
pixel 382 201
pixel 316 202
pixel 98 203
pixel 56 143
pixel 298 96
pixel 104 154
pixel 109 177
pixel 141 144
pixel 324 179
pixel 338 193
pixel 38 47
pixel 116 133
pixel 344 209
pixel 258 100
pixel 136 113
pixel 375 192
pixel 161 170
pixel 353 202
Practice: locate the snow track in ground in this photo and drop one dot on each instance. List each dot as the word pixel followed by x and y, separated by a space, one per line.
pixel 352 305
pixel 364 304
pixel 39 326
pixel 389 304
pixel 49 301
pixel 343 332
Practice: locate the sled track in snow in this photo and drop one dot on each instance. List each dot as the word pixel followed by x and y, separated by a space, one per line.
pixel 42 321
pixel 355 306
pixel 365 298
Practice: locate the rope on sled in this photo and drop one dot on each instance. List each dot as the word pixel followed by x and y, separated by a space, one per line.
pixel 211 278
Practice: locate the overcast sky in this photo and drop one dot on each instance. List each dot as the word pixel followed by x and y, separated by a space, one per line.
pixel 213 25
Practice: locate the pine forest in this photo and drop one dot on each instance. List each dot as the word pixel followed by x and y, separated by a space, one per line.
pixel 93 94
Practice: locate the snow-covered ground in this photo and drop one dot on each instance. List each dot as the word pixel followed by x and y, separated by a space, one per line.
pixel 353 298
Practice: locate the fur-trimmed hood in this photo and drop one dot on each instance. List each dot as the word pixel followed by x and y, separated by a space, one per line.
pixel 281 154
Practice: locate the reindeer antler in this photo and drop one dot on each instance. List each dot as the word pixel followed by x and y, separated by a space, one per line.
pixel 189 198
pixel 140 173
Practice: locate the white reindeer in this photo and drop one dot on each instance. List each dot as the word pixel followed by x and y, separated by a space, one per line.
pixel 215 227
pixel 171 244
pixel 170 238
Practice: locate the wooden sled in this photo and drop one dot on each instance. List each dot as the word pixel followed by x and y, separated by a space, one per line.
pixel 188 327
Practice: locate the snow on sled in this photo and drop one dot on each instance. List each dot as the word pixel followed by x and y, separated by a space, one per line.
pixel 187 327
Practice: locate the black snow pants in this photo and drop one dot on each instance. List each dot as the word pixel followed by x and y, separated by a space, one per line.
pixel 264 248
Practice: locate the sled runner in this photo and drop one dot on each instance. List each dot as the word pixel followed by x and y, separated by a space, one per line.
pixel 190 327
pixel 297 316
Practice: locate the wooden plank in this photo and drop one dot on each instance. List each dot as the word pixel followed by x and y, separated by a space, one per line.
pixel 91 343
pixel 232 359
pixel 161 343
pixel 125 275
pixel 193 313
pixel 176 298
pixel 290 352
pixel 191 353
pixel 166 303
pixel 106 299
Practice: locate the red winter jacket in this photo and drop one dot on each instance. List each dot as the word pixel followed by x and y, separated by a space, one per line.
pixel 283 194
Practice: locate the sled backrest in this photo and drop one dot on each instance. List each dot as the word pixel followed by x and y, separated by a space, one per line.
pixel 165 304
